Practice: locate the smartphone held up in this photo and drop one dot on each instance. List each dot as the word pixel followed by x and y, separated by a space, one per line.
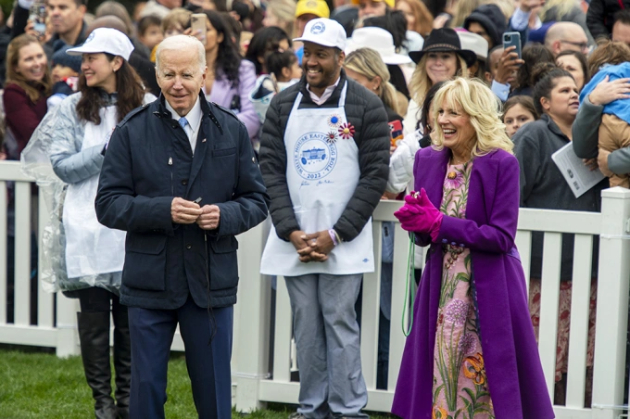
pixel 512 39
pixel 198 26
pixel 37 15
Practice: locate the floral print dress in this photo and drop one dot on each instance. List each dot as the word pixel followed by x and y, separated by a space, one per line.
pixel 460 386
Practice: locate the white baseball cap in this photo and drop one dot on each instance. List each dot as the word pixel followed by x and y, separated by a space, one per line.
pixel 379 40
pixel 325 32
pixel 106 40
pixel 475 43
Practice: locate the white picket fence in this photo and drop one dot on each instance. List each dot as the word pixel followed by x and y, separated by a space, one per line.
pixel 256 383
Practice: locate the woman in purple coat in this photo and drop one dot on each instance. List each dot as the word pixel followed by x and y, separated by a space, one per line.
pixel 472 351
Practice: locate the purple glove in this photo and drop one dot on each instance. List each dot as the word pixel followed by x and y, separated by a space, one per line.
pixel 419 215
pixel 408 212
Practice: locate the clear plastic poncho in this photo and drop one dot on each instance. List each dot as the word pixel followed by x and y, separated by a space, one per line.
pixel 36 163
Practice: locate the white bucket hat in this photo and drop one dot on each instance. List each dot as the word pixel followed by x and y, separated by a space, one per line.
pixel 106 40
pixel 475 43
pixel 325 32
pixel 380 41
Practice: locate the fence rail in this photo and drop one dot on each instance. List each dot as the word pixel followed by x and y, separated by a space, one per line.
pixel 263 353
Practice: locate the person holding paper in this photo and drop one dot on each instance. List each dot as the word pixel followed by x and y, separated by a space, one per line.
pixel 473 283
pixel 542 185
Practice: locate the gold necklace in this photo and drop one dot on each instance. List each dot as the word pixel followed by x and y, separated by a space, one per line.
pixel 454 163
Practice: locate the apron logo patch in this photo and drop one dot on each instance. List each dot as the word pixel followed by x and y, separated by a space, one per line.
pixel 314 156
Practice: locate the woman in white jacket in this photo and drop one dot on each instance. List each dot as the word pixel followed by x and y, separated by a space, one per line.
pixel 441 59
pixel 401 163
pixel 82 124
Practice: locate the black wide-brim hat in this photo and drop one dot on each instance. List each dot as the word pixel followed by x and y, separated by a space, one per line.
pixel 444 40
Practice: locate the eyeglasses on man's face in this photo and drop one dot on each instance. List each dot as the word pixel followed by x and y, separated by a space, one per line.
pixel 583 46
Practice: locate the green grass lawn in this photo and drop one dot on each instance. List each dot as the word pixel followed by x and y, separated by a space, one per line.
pixel 40 385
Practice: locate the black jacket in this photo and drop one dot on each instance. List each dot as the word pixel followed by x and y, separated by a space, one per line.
pixel 149 162
pixel 600 16
pixel 366 113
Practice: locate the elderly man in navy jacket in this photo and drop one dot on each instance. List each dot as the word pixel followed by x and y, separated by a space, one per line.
pixel 180 176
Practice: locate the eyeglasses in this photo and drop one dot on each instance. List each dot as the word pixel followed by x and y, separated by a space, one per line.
pixel 583 46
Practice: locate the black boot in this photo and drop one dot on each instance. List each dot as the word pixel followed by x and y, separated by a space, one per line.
pixel 94 336
pixel 122 360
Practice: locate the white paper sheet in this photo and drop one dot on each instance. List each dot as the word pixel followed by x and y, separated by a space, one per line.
pixel 579 177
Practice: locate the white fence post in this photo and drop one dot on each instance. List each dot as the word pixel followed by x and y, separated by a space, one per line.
pixel 22 256
pixel 251 354
pixel 612 304
pixel 67 334
pixel 371 311
pixel 3 252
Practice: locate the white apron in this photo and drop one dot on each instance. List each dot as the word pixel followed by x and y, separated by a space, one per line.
pixel 91 248
pixel 322 175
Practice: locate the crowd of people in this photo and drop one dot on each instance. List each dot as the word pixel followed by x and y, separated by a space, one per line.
pixel 161 114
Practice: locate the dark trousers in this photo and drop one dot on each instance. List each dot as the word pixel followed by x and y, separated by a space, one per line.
pixel 208 362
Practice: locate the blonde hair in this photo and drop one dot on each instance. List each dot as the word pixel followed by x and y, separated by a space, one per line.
pixel 176 17
pixel 562 8
pixel 484 109
pixel 420 82
pixel 460 10
pixel 284 10
pixel 507 7
pixel 368 63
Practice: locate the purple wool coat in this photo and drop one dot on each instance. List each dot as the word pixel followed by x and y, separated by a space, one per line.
pixel 515 377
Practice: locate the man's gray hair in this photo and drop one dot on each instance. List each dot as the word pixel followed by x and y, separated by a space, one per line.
pixel 181 43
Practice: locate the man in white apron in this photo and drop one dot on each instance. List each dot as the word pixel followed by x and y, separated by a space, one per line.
pixel 324 157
